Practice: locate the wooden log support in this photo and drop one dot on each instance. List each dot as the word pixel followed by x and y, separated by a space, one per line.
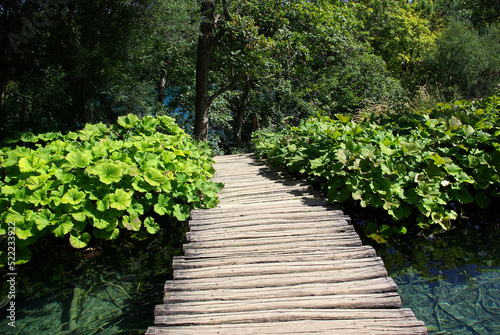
pixel 275 258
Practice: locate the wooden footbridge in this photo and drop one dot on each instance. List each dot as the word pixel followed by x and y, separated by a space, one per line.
pixel 274 258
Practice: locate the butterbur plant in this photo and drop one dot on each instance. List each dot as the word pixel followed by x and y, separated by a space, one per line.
pixel 423 165
pixel 101 181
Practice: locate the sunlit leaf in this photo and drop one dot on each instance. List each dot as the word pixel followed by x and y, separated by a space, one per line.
pixel 151 226
pixel 132 222
pixel 79 241
pixel 31 163
pixel 121 200
pixel 79 159
pixel 73 197
pixel 108 172
pixel 128 121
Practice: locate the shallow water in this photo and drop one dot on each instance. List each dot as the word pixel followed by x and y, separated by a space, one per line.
pixel 470 304
pixel 62 292
pixel 451 279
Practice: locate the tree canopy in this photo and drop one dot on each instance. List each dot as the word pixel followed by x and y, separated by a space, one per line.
pixel 229 67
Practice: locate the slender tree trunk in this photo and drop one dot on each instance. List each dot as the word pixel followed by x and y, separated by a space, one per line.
pixel 240 112
pixel 162 83
pixel 203 60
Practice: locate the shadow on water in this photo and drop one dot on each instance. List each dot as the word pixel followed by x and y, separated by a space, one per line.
pixel 111 289
pixel 450 279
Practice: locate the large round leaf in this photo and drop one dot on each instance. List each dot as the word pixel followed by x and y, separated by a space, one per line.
pixel 79 159
pixel 108 172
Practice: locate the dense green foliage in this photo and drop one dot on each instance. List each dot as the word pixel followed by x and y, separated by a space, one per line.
pixel 72 62
pixel 425 165
pixel 464 61
pixel 102 181
pixel 240 66
pixel 66 63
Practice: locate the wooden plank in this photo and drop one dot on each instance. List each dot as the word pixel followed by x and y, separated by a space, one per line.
pixel 269 225
pixel 229 177
pixel 274 268
pixel 368 286
pixel 257 252
pixel 263 198
pixel 377 300
pixel 309 201
pixel 277 280
pixel 345 238
pixel 297 217
pixel 194 248
pixel 284 315
pixel 182 262
pixel 239 210
pixel 316 327
pixel 227 233
pixel 262 182
pixel 263 192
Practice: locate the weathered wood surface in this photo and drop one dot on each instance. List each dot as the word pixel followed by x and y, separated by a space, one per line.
pixel 274 258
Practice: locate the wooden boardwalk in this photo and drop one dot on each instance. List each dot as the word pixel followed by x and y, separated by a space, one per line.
pixel 273 258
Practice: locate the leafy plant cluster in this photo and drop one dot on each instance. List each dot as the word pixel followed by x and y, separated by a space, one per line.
pixel 102 180
pixel 422 164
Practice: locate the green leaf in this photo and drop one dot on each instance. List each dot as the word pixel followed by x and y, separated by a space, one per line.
pixel 148 123
pixel 79 159
pixel 79 241
pixel 8 190
pixel 132 222
pixel 136 208
pixel 400 230
pixel 128 121
pixel 34 182
pixel 181 212
pixel 48 136
pixel 338 195
pixel 387 151
pixel 103 205
pixel 108 172
pixel 23 234
pixel 64 177
pixel 101 223
pixel 29 137
pixel 151 226
pixel 73 197
pixel 121 200
pixel 31 163
pixel 79 216
pixel 107 235
pixel 63 228
pixel 153 177
pixel 44 218
pixel 164 205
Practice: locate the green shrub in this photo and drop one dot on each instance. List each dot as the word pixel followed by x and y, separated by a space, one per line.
pixel 422 164
pixel 102 180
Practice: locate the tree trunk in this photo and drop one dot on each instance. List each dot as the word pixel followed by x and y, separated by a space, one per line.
pixel 162 83
pixel 240 112
pixel 203 60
